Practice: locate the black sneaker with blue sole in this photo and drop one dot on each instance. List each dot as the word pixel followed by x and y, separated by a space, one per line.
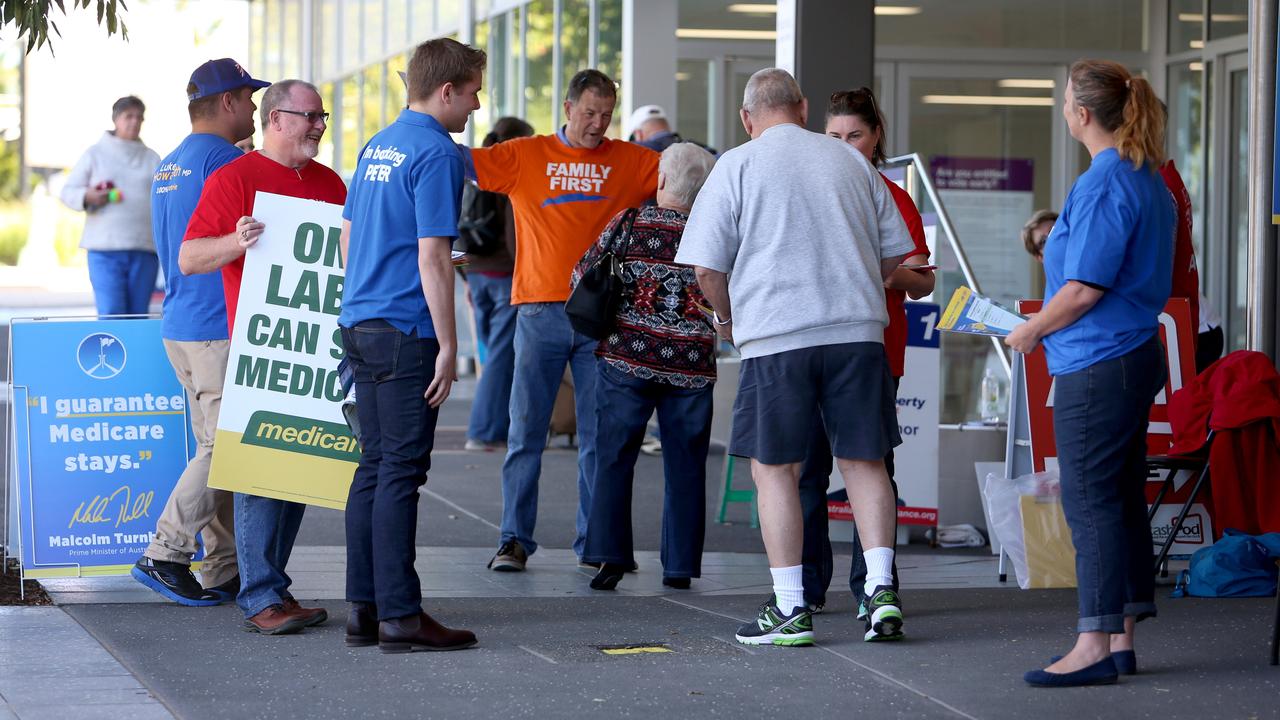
pixel 174 581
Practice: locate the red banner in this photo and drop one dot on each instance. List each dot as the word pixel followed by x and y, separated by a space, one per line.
pixel 840 510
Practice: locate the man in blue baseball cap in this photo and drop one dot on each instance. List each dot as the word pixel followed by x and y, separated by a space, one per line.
pixel 194 328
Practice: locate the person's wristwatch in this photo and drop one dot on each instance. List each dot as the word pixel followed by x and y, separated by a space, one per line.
pixel 715 317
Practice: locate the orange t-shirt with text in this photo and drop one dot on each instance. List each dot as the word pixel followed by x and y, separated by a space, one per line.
pixel 562 198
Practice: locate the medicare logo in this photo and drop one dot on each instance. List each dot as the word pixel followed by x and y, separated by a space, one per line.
pixel 101 356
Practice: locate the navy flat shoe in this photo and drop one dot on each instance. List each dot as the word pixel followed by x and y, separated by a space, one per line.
pixel 1102 672
pixel 1126 661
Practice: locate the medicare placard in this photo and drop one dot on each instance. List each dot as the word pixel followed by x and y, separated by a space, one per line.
pixel 100 430
pixel 280 432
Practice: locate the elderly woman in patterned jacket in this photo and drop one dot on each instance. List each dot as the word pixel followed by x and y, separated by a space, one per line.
pixel 661 355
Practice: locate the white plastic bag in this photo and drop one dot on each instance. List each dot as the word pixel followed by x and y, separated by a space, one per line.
pixel 1004 504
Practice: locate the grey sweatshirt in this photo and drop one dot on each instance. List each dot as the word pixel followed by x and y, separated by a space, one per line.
pixel 131 166
pixel 800 222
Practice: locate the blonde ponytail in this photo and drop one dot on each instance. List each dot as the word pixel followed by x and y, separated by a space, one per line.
pixel 1124 105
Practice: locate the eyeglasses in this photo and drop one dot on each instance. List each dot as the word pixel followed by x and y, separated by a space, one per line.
pixel 311 115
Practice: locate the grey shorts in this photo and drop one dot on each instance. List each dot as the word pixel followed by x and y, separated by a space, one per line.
pixel 779 396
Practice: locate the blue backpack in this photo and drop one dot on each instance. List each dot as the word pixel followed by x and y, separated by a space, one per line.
pixel 1238 565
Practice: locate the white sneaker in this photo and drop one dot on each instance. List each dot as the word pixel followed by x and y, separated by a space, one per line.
pixel 481 445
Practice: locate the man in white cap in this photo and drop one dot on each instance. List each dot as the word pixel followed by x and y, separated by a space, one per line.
pixel 648 126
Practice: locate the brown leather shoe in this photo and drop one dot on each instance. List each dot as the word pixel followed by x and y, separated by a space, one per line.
pixel 275 620
pixel 312 616
pixel 420 632
pixel 362 625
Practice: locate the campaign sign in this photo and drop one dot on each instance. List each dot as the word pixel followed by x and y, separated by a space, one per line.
pixel 100 429
pixel 281 432
pixel 916 459
pixel 1176 331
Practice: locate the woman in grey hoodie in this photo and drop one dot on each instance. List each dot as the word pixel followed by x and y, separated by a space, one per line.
pixel 112 183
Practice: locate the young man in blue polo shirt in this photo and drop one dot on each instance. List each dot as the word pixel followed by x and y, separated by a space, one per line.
pixel 397 325
pixel 194 329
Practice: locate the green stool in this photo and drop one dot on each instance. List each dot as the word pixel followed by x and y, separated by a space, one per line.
pixel 732 496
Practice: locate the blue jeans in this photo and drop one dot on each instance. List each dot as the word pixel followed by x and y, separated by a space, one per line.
pixel 1100 425
pixel 397 432
pixel 122 280
pixel 816 555
pixel 623 405
pixel 265 531
pixel 545 342
pixel 496 329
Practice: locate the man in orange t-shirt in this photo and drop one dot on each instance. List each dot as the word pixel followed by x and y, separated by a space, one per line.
pixel 564 188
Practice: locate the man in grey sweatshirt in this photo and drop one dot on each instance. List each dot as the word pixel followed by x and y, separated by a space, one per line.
pixel 792 236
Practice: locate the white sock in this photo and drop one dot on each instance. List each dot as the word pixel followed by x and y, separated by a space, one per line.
pixel 788 587
pixel 879 568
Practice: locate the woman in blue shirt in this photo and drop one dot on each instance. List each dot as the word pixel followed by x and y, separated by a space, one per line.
pixel 1108 264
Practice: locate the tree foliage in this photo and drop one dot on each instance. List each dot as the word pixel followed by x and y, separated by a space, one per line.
pixel 32 18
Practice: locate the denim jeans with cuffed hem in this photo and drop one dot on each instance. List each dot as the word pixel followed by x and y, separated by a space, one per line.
pixel 265 531
pixel 496 327
pixel 122 280
pixel 397 432
pixel 624 404
pixel 1100 425
pixel 545 343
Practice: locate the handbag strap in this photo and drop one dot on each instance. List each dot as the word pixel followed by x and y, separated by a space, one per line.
pixel 628 219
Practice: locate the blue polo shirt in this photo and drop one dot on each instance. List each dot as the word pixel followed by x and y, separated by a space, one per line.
pixel 194 306
pixel 407 185
pixel 1116 232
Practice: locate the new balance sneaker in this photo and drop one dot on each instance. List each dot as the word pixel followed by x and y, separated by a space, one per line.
pixel 511 557
pixel 771 627
pixel 174 581
pixel 884 615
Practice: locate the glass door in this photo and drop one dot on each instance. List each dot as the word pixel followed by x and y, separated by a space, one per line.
pixel 1235 121
pixel 991 138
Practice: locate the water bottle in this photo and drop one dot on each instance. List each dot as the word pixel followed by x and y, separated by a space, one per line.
pixel 989 402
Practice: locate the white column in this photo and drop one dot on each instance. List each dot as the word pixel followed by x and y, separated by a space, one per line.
pixel 649 51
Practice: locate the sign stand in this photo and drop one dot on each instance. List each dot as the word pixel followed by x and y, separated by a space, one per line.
pixel 1017 449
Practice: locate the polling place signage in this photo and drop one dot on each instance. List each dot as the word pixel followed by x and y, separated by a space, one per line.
pixel 100 439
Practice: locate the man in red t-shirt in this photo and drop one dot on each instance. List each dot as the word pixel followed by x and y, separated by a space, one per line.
pixel 221 229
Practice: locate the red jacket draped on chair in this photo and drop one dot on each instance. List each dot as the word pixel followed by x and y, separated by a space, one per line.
pixel 1239 398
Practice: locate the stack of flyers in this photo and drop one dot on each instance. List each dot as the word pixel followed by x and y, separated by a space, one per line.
pixel 974 314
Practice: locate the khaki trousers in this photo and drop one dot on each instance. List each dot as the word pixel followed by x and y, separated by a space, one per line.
pixel 193 507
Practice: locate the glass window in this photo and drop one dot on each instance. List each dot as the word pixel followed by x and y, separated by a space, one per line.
pixel 327 156
pixel 1060 24
pixel 448 17
pixel 372 103
pixel 498 74
pixel 1186 25
pixel 1185 129
pixel 609 50
pixel 1238 219
pixel 976 126
pixel 327 39
pixel 541 110
pixel 1228 18
pixel 349 125
pixel 291 46
pixel 373 42
pixel 422 20
pixel 272 59
pixel 575 26
pixel 351 16
pixel 482 119
pixel 398 34
pixel 397 96
pixel 258 38
pixel 692 85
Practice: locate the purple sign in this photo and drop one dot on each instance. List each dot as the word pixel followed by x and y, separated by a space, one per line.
pixel 977 173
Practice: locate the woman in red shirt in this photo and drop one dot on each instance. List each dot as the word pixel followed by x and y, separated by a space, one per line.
pixel 853 116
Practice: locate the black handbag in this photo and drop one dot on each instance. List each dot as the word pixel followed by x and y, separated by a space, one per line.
pixel 592 307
